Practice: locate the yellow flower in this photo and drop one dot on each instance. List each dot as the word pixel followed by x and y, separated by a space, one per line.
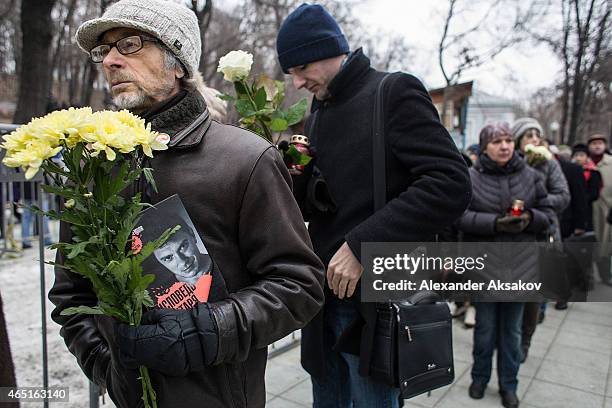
pixel 105 131
pixel 32 158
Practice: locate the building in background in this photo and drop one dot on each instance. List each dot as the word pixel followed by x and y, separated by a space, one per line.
pixel 468 110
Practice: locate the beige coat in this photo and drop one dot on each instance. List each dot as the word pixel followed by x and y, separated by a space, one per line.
pixel 602 206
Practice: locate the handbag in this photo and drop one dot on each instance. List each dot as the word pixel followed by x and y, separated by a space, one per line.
pixel 413 344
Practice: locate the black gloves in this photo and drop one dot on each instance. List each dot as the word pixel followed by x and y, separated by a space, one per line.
pixel 173 342
pixel 513 224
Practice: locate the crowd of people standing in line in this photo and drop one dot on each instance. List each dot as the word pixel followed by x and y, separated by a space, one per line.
pixel 567 196
pixel 282 277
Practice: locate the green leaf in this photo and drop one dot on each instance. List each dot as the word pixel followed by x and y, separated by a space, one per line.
pixel 75 158
pixel 298 157
pixel 280 94
pixel 107 166
pixel 119 270
pixel 240 89
pixel 115 201
pixel 296 112
pixel 278 125
pixel 148 172
pixel 114 311
pixel 150 246
pixel 260 98
pixel 60 191
pixel 81 309
pixel 77 249
pixel 226 97
pixel 245 108
pixel 54 168
pixel 147 301
pixel 147 280
pixel 72 217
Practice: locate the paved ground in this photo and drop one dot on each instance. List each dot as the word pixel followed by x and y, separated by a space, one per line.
pixel 569 365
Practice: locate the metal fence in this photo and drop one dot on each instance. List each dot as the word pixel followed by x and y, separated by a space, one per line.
pixel 9 178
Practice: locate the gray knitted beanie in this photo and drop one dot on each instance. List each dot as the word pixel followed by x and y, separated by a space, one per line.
pixel 522 125
pixel 174 25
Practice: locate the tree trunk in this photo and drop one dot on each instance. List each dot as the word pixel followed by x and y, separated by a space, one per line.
pixel 88 84
pixel 7 369
pixel 34 86
pixel 60 40
pixel 204 17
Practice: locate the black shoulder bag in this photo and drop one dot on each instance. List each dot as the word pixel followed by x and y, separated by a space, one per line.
pixel 413 344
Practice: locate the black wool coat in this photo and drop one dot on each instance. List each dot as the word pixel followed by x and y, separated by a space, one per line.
pixel 494 189
pixel 576 214
pixel 428 185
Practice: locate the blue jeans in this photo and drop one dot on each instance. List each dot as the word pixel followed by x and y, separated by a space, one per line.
pixel 343 386
pixel 26 222
pixel 498 325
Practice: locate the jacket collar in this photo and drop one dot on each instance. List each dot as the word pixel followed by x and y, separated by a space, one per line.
pixel 605 161
pixel 184 118
pixel 345 82
pixel 484 164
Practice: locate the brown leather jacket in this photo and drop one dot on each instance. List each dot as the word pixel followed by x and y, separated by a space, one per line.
pixel 238 193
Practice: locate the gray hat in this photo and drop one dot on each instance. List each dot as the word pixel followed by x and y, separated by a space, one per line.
pixel 174 25
pixel 521 125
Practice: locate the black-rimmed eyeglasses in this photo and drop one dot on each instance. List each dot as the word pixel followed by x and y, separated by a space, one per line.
pixel 125 46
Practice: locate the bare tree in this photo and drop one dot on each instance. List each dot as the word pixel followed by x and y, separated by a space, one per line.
pixel 204 16
pixel 583 45
pixel 501 25
pixel 34 83
pixel 222 36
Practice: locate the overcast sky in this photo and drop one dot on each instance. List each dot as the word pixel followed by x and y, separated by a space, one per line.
pixel 515 73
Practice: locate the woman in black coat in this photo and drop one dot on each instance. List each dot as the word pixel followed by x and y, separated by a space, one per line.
pixel 499 177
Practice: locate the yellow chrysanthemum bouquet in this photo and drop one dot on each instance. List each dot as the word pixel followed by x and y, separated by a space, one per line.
pixel 103 154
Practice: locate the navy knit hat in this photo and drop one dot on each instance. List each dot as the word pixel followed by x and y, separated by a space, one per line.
pixel 309 34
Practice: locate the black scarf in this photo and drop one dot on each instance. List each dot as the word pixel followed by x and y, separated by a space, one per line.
pixel 488 166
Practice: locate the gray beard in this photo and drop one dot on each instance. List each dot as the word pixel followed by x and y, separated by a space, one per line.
pixel 139 101
pixel 131 101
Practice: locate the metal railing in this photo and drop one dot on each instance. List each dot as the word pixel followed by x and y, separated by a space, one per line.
pixel 8 177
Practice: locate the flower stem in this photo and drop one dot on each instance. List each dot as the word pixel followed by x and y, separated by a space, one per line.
pixel 147 388
pixel 262 125
pixel 148 393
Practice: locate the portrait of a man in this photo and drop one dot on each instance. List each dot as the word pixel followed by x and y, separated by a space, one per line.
pixel 181 256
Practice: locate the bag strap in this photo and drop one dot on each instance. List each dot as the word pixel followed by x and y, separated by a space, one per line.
pixel 378 148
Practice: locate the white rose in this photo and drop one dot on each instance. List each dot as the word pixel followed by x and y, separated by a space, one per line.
pixel 235 65
pixel 538 150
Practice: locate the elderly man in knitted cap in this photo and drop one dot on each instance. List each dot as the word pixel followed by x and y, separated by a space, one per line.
pixel 602 208
pixel 427 188
pixel 234 185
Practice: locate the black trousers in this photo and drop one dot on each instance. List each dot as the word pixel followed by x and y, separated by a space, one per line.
pixel 530 322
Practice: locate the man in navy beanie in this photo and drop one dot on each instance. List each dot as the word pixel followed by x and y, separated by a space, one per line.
pixel 427 185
